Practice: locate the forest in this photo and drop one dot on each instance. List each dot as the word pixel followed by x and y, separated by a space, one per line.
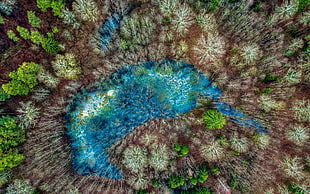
pixel 155 96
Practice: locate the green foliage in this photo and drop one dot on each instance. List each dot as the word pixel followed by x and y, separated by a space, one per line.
pixel 197 190
pixel 56 5
pixel 33 20
pixel 10 159
pixel 294 189
pixel 3 95
pixel 208 5
pixel 303 4
pixel 36 37
pixel 288 53
pixel 23 79
pixel 44 4
pixel 5 177
pixel 201 176
pixel 141 192
pixel 267 90
pixel 235 153
pixel 10 133
pixel 124 44
pixel 175 181
pixel 232 182
pixel 23 32
pixel 166 20
pixel 49 35
pixel 155 183
pixel 257 6
pixel 270 78
pixel 306 50
pixel 213 119
pixel 55 30
pixel 181 149
pixel 1 20
pixel 215 170
pixel 10 136
pixel 213 4
pixel 50 45
pixel 222 141
pixel 11 34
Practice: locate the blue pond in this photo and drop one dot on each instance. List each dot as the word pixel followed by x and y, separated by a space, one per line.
pixel 106 111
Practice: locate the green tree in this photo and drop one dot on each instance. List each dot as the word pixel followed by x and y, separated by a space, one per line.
pixel 10 136
pixel 3 96
pixel 11 34
pixel 213 119
pixel 50 45
pixel 36 37
pixel 175 181
pixel 23 79
pixel 33 20
pixel 303 4
pixel 56 5
pixel 10 133
pixel 1 20
pixel 44 4
pixel 5 176
pixel 10 159
pixel 181 149
pixel 23 32
pixel 201 176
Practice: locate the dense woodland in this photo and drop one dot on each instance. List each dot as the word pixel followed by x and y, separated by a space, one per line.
pixel 257 52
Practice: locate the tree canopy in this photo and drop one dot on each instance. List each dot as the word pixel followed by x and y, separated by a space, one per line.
pixel 10 137
pixel 23 79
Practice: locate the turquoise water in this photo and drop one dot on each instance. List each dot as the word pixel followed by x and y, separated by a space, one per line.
pixel 105 112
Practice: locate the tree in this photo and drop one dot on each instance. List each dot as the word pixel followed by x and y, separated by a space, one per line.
pixel 56 5
pixel 3 96
pixel 36 37
pixel 1 20
pixel 11 34
pixel 50 45
pixel 213 119
pixel 181 149
pixel 33 20
pixel 10 159
pixel 23 32
pixel 175 181
pixel 23 79
pixel 10 136
pixel 44 4
pixel 67 66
